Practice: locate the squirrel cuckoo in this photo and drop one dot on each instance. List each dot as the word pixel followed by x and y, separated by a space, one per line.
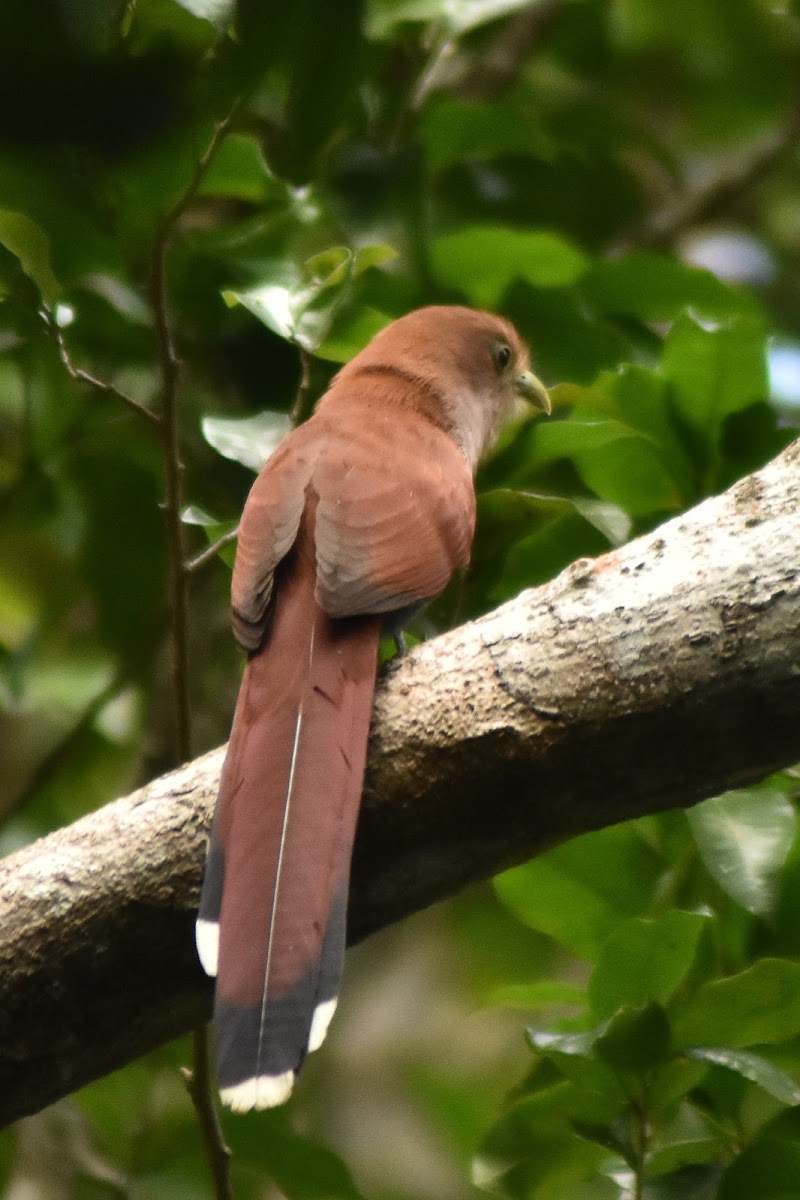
pixel 361 515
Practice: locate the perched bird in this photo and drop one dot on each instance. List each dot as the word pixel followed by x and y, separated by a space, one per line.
pixel 361 515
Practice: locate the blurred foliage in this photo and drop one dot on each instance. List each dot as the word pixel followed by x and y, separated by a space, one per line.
pixel 620 177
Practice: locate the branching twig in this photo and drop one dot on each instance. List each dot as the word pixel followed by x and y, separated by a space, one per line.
pixel 99 385
pixel 201 1086
pixel 718 194
pixel 211 551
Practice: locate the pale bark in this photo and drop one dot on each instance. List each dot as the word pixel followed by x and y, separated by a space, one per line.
pixel 651 677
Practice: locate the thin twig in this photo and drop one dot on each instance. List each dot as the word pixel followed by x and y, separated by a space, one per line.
pixel 221 130
pixel 200 1086
pixel 173 488
pixel 301 397
pixel 99 385
pixel 211 551
pixel 169 367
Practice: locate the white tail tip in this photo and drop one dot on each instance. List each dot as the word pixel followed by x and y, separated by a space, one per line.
pixel 206 938
pixel 323 1014
pixel 264 1091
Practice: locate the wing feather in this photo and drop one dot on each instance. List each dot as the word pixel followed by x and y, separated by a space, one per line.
pixel 387 540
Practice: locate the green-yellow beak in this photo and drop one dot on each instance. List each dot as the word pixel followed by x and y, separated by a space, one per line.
pixel 533 390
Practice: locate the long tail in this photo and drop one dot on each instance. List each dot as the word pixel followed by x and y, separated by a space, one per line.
pixel 273 910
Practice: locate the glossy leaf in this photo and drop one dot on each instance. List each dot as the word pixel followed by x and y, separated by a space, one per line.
pixel 744 838
pixel 247 440
pixel 645 959
pixel 753 1067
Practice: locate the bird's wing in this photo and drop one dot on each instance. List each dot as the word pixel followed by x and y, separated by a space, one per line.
pixel 267 531
pixel 389 538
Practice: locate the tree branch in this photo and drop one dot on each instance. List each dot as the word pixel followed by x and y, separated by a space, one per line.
pixel 651 677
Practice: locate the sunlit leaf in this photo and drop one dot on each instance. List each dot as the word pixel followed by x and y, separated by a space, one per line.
pixel 30 244
pixel 744 838
pixel 247 440
pixel 753 1067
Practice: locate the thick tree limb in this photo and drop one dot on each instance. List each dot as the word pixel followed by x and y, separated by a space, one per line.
pixel 651 677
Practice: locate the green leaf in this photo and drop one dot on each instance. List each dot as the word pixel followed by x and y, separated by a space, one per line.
pixel 670 1081
pixel 247 440
pixel 767 1170
pixel 744 838
pixel 484 260
pixel 578 434
pixel 376 255
pixel 635 1039
pixel 640 397
pixel 753 1067
pixel 645 959
pixel 539 994
pixel 655 287
pixel 302 303
pixel 758 1005
pixel 31 245
pixel 578 892
pixel 689 1137
pixel 623 461
pixel 302 1168
pixel 238 170
pixel 453 128
pixel 353 327
pixel 715 372
pixel 575 1057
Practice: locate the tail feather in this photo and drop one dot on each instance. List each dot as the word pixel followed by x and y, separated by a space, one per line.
pixel 275 895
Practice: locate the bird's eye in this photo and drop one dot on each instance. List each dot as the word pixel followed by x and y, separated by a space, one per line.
pixel 502 356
